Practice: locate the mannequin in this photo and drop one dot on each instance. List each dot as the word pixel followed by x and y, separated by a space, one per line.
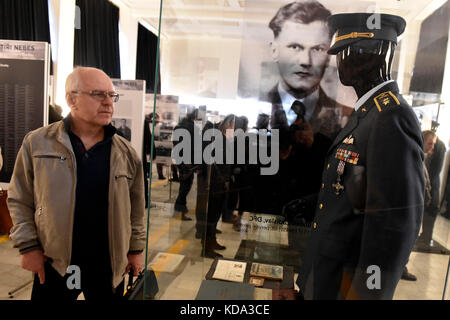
pixel 370 206
pixel 366 64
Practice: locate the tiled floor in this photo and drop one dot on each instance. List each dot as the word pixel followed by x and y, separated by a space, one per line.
pixel 11 274
pixel 169 234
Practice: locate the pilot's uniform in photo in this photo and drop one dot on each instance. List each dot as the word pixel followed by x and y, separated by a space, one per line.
pixel 370 206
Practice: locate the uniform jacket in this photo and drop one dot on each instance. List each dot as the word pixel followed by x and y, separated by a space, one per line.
pixel 375 219
pixel 328 124
pixel 41 198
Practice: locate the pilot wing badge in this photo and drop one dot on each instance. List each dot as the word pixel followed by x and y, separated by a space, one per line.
pixel 349 140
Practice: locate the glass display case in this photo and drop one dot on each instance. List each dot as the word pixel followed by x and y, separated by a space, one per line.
pixel 229 222
pixel 297 150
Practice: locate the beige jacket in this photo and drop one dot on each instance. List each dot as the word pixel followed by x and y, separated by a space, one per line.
pixel 41 198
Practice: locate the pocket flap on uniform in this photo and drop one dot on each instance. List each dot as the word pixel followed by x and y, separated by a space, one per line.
pixel 355 184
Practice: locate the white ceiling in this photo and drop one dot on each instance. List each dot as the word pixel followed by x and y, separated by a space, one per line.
pixel 226 18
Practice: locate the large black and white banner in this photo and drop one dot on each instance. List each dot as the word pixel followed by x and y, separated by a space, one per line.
pixel 24 72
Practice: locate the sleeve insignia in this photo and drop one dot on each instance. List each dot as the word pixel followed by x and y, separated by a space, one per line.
pixel 385 99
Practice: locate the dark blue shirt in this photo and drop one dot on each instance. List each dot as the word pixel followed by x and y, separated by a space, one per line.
pixel 90 243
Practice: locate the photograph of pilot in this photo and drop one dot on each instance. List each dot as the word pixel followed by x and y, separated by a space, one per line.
pixel 301 88
pixel 299 48
pixel 307 117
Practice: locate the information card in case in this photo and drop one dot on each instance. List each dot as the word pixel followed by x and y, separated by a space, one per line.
pixel 257 281
pixel 230 270
pixel 266 271
pixel 221 290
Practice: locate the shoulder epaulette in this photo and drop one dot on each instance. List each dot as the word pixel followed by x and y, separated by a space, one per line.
pixel 386 99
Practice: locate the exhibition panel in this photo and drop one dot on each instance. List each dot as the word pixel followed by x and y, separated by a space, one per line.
pixel 301 169
pixel 24 95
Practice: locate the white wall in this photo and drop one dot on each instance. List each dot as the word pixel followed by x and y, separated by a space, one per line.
pixel 181 60
pixel 408 52
pixel 62 17
pixel 128 33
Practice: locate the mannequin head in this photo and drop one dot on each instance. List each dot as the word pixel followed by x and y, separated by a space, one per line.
pixel 365 64
pixel 364 45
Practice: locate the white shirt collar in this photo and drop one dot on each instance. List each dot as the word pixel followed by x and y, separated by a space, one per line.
pixel 287 100
pixel 368 94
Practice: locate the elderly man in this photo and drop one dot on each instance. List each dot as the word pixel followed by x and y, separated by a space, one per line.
pixel 76 198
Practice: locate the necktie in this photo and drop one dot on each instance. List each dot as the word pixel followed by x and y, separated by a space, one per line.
pixel 299 108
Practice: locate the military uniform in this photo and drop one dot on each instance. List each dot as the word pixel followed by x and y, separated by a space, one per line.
pixel 370 206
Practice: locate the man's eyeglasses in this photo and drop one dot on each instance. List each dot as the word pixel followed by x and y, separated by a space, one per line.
pixel 101 95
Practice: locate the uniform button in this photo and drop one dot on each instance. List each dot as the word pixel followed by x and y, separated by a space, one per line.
pixel 328 166
pixel 321 206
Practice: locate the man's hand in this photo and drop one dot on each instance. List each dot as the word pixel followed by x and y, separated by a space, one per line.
pixel 136 262
pixel 34 262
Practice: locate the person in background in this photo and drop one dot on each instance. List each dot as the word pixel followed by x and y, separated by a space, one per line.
pixel 76 198
pixel 434 159
pixel 241 195
pixel 124 129
pixel 146 151
pixel 428 145
pixel 262 122
pixel 160 166
pixel 201 204
pixel 54 113
pixel 186 170
pixel 445 202
pixel 219 186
